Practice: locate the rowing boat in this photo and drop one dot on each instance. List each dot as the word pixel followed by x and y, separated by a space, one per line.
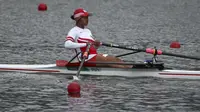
pixel 148 68
pixel 142 69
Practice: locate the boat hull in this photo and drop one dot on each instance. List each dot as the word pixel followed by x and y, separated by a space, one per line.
pixel 101 71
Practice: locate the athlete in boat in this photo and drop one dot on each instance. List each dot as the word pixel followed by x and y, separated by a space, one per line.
pixel 79 36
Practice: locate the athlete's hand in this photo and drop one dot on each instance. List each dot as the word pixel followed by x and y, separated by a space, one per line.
pixel 96 44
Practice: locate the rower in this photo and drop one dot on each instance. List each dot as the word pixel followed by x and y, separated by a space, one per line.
pixel 79 36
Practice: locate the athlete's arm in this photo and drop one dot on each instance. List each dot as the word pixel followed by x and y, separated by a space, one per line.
pixel 72 45
pixel 70 40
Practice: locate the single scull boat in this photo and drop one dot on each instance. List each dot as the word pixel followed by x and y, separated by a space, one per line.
pixel 149 68
pixel 139 70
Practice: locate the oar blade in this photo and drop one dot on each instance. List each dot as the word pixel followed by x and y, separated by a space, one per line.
pixel 75 78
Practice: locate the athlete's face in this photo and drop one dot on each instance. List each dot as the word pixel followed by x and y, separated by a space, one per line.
pixel 84 20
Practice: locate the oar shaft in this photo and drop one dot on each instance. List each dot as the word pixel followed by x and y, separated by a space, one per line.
pixel 181 56
pixel 127 54
pixel 149 50
pixel 123 47
pixel 85 55
pixel 159 52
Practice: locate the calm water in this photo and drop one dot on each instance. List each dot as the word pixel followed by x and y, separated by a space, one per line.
pixel 31 37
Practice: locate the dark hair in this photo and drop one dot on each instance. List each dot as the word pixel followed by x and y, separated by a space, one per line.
pixel 72 17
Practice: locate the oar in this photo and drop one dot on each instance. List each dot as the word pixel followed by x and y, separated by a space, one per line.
pixel 84 57
pixel 149 50
pixel 127 54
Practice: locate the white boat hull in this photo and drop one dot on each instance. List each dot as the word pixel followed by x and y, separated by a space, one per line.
pixel 53 69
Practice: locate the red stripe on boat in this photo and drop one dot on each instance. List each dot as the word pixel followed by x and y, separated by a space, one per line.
pixel 179 74
pixel 35 70
pixel 64 63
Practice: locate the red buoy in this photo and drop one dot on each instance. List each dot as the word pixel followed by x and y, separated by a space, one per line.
pixel 42 7
pixel 77 95
pixel 175 44
pixel 74 88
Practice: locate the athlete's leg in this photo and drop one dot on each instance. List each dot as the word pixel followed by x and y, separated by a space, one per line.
pixel 101 58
